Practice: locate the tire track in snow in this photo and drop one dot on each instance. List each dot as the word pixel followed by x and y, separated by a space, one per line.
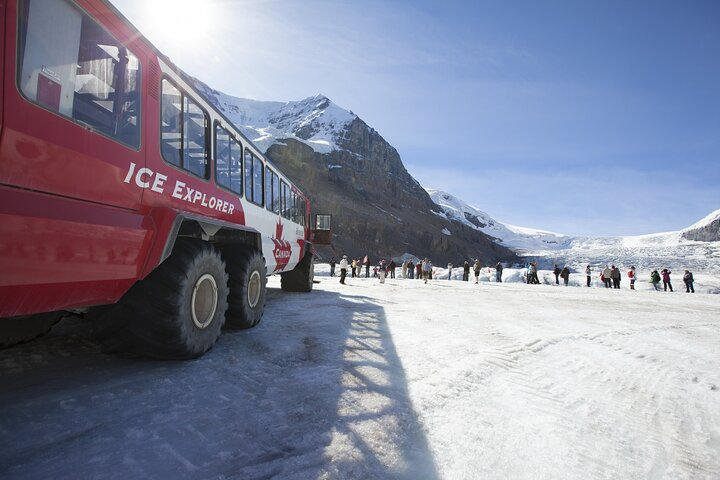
pixel 622 401
pixel 620 423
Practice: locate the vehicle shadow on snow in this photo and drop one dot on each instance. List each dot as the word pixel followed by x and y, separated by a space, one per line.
pixel 317 390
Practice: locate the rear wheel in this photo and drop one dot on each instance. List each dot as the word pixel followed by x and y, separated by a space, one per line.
pixel 177 312
pixel 248 286
pixel 300 278
pixel 23 329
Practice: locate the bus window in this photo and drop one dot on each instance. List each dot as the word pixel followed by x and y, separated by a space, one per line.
pixel 171 121
pixel 194 147
pixel 293 206
pixel 258 181
pixel 183 136
pixel 253 178
pixel 71 65
pixel 302 208
pixel 227 160
pixel 284 199
pixel 248 174
pixel 268 188
pixel 276 193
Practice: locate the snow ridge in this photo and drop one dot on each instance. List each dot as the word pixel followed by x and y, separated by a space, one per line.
pixel 315 121
pixel 657 250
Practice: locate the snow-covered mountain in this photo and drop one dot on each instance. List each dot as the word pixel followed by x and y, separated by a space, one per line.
pixel 352 173
pixel 671 249
pixel 343 141
pixel 518 238
pixel 315 121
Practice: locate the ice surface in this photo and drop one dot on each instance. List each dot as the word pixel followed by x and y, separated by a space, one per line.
pixel 449 380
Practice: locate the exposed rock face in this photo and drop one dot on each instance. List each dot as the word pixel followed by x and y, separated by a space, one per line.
pixel 378 208
pixel 349 171
pixel 706 233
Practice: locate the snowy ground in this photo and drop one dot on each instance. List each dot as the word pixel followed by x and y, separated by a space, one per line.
pixel 448 380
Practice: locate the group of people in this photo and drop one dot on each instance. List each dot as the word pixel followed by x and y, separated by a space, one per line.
pixel 610 276
pixel 664 275
pixel 422 270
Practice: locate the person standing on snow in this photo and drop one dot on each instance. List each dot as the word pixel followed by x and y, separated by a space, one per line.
pixel 418 270
pixel 655 279
pixel 426 269
pixel 689 281
pixel 534 271
pixel 556 272
pixel 466 271
pixel 381 271
pixel 498 272
pixel 665 274
pixel 565 274
pixel 632 276
pixel 616 277
pixel 343 269
pixel 607 276
pixel 391 268
pixel 476 269
pixel 332 267
pixel 588 274
pixel 410 270
pixel 450 267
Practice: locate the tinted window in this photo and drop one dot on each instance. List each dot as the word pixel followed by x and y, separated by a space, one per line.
pixel 258 181
pixel 253 178
pixel 184 132
pixel 285 206
pixel 71 65
pixel 227 160
pixel 268 188
pixel 276 193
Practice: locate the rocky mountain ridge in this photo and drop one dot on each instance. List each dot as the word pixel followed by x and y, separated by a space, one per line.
pixel 350 171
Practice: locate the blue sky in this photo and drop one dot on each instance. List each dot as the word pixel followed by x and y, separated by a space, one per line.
pixel 581 117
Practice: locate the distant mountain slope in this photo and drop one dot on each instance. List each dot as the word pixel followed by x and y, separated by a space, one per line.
pixel 706 230
pixel 349 171
pixel 518 238
pixel 696 247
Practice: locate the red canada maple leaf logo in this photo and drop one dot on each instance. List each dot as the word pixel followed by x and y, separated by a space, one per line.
pixel 282 250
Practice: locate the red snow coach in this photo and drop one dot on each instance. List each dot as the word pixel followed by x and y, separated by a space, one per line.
pixel 125 195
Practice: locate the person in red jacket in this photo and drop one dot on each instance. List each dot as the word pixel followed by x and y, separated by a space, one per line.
pixel 665 274
pixel 632 276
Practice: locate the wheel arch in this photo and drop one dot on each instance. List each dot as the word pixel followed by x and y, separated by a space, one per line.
pixel 221 234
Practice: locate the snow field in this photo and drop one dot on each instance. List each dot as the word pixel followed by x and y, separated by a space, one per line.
pixel 539 381
pixel 402 380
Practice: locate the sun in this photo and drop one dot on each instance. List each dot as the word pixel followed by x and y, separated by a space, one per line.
pixel 182 22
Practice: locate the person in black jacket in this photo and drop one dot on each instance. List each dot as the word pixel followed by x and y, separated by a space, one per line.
pixel 557 271
pixel 565 274
pixel 466 271
pixel 689 281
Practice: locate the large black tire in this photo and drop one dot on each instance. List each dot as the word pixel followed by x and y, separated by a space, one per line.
pixel 177 312
pixel 17 330
pixel 248 288
pixel 300 278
